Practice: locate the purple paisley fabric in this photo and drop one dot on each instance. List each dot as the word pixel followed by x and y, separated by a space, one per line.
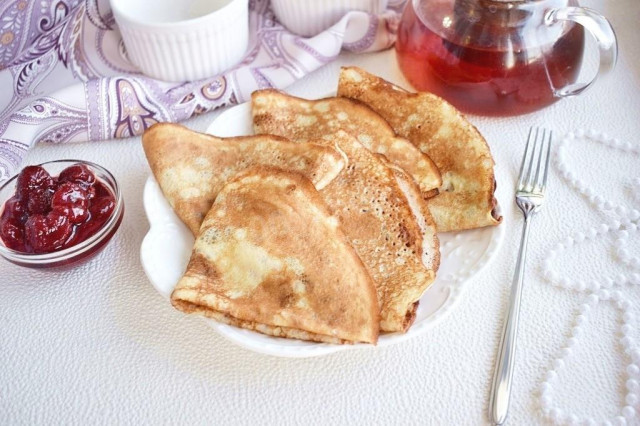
pixel 65 76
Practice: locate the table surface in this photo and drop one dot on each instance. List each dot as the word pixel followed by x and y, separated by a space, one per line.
pixel 97 344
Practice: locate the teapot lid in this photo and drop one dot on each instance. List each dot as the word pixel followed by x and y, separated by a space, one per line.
pixel 499 13
pixel 481 22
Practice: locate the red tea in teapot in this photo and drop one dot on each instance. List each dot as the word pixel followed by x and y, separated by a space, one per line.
pixel 488 59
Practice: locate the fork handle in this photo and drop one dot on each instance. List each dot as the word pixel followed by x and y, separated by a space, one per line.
pixel 501 388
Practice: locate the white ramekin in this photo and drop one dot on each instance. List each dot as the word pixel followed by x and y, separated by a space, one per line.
pixel 308 18
pixel 183 40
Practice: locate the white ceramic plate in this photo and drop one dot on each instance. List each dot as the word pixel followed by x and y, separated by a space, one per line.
pixel 167 246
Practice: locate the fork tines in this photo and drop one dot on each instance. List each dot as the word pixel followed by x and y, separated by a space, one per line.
pixel 535 162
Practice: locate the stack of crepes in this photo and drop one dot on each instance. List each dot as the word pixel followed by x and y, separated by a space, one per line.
pixel 323 225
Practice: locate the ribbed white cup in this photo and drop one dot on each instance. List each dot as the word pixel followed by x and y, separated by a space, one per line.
pixel 308 18
pixel 174 46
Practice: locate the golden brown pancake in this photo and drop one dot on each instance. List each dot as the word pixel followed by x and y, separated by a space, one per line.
pixel 192 167
pixel 434 126
pixel 303 120
pixel 269 257
pixel 380 224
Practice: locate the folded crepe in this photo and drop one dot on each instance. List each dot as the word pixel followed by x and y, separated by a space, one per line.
pixel 303 120
pixel 192 167
pixel 379 222
pixel 459 151
pixel 269 257
pixel 382 226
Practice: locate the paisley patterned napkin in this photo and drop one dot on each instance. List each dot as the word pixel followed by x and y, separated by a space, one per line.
pixel 65 75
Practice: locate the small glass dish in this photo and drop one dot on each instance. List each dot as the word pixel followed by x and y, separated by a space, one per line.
pixel 84 249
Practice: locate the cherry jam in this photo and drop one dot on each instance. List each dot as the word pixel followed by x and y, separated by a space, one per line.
pixel 48 214
pixel 487 63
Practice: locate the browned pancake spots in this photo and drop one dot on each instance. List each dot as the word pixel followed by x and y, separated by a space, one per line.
pixel 192 167
pixel 411 315
pixel 306 276
pixel 206 270
pixel 305 120
pixel 439 130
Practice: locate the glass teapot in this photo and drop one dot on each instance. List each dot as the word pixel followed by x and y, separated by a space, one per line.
pixel 500 57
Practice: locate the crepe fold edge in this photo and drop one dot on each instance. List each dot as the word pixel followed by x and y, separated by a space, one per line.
pixel 191 296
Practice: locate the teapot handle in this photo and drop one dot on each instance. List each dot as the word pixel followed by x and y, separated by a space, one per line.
pixel 601 30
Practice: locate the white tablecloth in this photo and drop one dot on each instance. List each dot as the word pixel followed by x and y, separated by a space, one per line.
pixel 97 344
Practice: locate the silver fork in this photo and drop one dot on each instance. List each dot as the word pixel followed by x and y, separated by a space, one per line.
pixel 529 198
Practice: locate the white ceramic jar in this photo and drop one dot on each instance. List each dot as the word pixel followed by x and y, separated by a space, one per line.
pixel 183 40
pixel 310 17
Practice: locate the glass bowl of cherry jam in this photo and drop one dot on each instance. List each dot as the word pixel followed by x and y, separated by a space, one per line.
pixel 58 213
